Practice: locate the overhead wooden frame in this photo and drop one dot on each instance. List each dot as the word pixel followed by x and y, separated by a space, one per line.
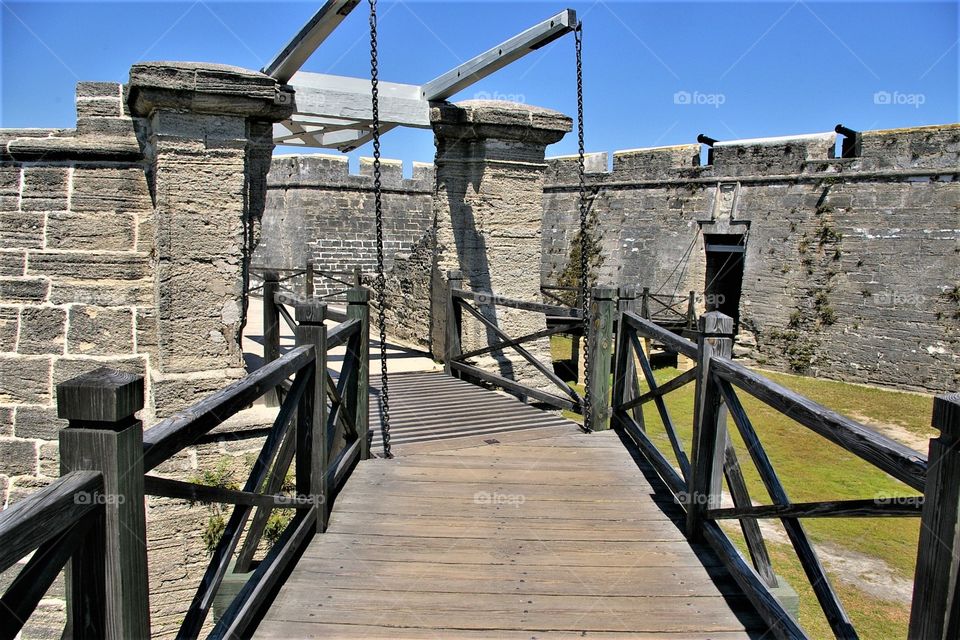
pixel 335 112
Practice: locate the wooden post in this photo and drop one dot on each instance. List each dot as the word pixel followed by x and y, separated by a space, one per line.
pixel 358 396
pixel 715 339
pixel 691 310
pixel 600 344
pixel 454 322
pixel 308 281
pixel 107 590
pixel 645 304
pixel 271 328
pixel 934 614
pixel 625 383
pixel 357 277
pixel 313 446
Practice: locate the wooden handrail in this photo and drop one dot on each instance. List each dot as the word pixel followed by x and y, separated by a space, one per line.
pixel 168 437
pixel 651 330
pixel 46 513
pixel 900 461
pixel 486 297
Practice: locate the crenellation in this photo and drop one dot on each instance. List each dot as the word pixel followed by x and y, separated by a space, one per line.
pixel 655 162
pixel 779 155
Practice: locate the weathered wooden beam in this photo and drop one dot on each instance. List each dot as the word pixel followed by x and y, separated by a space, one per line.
pixel 313 443
pixel 46 513
pixel 905 507
pixel 651 331
pixel 485 297
pixel 104 435
pixel 170 488
pixel 514 387
pixel 358 391
pixel 169 436
pixel 481 66
pixel 310 36
pixel 934 614
pixel 453 322
pixel 603 307
pixel 901 462
pixel 715 341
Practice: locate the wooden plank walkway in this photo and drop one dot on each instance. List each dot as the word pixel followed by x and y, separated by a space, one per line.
pixel 431 406
pixel 542 534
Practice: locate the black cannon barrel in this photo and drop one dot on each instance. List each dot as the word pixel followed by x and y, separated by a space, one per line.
pixel 846 131
pixel 705 139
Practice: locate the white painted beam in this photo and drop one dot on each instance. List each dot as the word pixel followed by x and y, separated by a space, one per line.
pixel 475 69
pixel 311 35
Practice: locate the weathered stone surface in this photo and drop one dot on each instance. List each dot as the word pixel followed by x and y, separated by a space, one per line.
pixel 89 266
pixel 13 263
pixel 24 379
pixel 146 331
pixel 99 107
pixel 14 290
pixel 176 392
pixel 18 457
pixel 205 88
pixel 6 425
pixel 44 189
pixel 49 459
pixel 22 486
pixel 90 231
pixel 38 422
pixel 78 148
pixel 103 293
pixel 102 189
pixel 21 230
pixel 9 188
pixel 9 326
pixel 98 90
pixel 100 331
pixel 42 330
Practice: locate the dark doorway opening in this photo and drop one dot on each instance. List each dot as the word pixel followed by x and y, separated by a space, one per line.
pixel 724 280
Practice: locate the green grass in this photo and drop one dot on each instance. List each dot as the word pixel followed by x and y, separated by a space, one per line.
pixel 811 469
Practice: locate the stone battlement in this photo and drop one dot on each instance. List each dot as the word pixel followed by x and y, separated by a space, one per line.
pixel 931 147
pixel 323 170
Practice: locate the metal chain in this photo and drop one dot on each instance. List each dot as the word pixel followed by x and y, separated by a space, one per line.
pixel 380 283
pixel 584 244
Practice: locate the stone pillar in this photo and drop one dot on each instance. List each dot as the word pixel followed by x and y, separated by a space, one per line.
pixel 208 143
pixel 489 211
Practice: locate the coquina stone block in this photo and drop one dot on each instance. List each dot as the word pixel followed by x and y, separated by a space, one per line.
pixel 44 189
pixel 37 422
pixel 100 331
pixel 13 262
pixel 25 379
pixel 90 231
pixel 23 290
pixel 9 327
pixel 18 457
pixel 42 331
pixel 21 230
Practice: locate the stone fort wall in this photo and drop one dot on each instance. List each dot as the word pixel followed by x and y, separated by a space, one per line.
pixel 851 264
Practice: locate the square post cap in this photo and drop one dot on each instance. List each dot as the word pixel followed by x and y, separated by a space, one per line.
pixel 101 395
pixel 311 312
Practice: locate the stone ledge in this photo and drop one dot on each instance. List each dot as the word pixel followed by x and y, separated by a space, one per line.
pixel 482 119
pixel 206 88
pixel 125 149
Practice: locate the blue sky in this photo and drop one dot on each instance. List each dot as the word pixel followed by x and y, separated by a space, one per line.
pixel 656 73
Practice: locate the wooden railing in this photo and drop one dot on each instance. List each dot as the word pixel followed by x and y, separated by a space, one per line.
pixel 93 517
pixel 676 312
pixel 561 319
pixel 696 480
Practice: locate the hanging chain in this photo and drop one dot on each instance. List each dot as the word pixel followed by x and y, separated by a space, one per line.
pixel 584 243
pixel 380 283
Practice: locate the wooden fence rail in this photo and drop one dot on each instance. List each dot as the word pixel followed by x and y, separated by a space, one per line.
pixel 696 474
pixel 92 520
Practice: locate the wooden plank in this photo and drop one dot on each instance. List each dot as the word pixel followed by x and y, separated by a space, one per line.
pixel 683 379
pixel 167 437
pixel 169 488
pixel 511 385
pixel 526 355
pixel 901 462
pixel 652 331
pixel 45 514
pixel 485 297
pixel 600 356
pixel 906 507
